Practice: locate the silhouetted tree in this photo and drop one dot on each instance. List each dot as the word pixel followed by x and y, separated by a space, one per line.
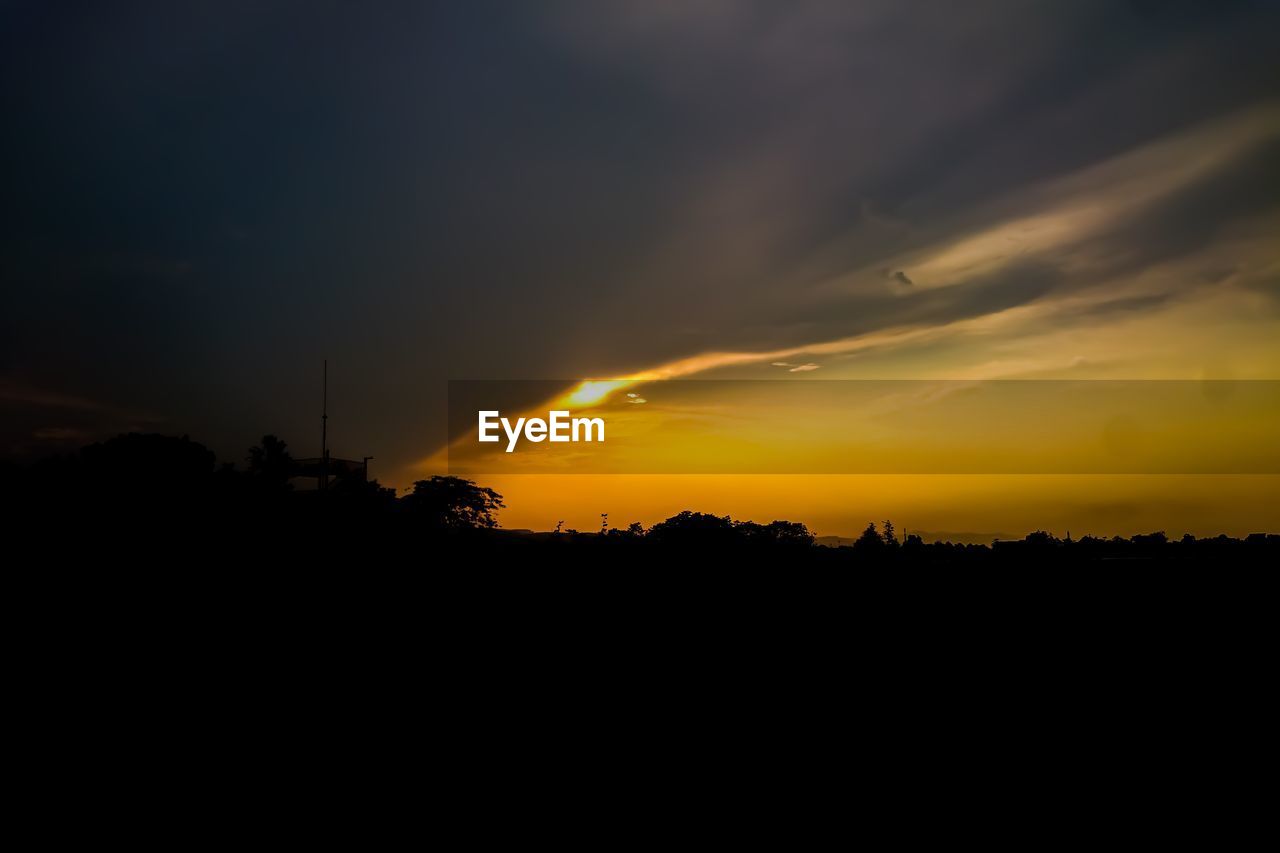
pixel 694 530
pixel 870 543
pixel 452 503
pixel 360 492
pixel 790 533
pixel 270 463
pixel 153 468
pixel 634 532
pixel 773 534
pixel 890 535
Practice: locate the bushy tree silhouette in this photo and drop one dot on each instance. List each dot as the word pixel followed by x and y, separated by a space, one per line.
pixel 149 468
pixel 870 543
pixel 452 503
pixel 791 534
pixel 694 530
pixel 703 531
pixel 270 463
pixel 634 532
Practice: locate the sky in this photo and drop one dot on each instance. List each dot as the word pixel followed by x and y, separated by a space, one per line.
pixel 205 200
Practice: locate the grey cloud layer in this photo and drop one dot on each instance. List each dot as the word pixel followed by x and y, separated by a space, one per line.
pixel 566 189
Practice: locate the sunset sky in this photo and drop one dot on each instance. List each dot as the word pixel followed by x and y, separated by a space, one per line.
pixel 202 201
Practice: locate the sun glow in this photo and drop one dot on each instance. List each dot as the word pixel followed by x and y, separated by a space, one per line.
pixel 593 392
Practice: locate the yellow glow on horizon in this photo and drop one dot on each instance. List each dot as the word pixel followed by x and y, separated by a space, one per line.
pixel 843 504
pixel 1207 313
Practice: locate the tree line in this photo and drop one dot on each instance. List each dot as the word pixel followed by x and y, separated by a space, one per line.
pixel 164 488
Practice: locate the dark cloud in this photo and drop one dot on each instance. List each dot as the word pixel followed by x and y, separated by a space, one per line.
pixel 202 201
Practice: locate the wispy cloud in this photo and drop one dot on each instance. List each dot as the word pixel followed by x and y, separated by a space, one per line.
pixel 1058 251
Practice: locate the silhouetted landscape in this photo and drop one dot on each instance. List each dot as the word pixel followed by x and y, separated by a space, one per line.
pixel 160 497
pixel 842 287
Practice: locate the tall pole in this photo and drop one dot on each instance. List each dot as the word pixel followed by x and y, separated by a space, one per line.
pixel 324 429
